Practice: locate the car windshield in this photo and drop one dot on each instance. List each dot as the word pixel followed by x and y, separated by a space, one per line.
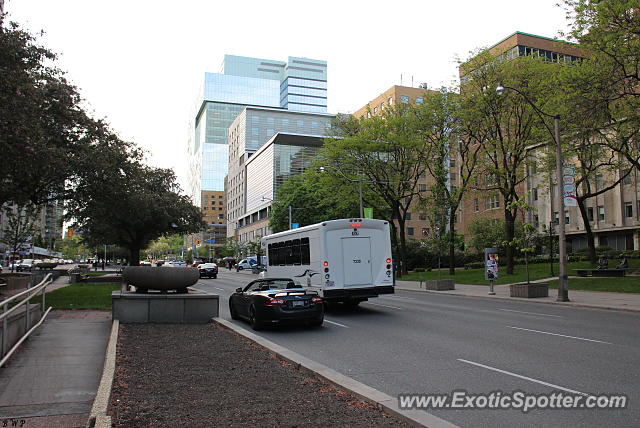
pixel 279 284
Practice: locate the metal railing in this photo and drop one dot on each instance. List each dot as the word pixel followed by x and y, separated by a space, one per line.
pixel 6 312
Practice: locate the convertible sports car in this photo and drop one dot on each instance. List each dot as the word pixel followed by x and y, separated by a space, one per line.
pixel 269 301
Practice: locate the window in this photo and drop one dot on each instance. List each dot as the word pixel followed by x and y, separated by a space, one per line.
pixel 425 231
pixel 295 252
pixel 590 213
pixel 494 202
pixel 382 106
pixel 305 256
pixel 390 100
pixel 423 216
pixel 628 209
pixel 375 110
pixel 566 217
pixel 476 205
pixel 536 221
pixel 556 218
pixel 534 193
pixel 601 213
pixel 410 231
pixel 627 177
pixel 408 216
pixel 599 182
pixel 452 162
pixel 404 99
pixel 453 176
pixel 422 187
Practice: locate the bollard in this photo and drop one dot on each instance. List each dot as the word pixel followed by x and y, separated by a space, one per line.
pixel 491 292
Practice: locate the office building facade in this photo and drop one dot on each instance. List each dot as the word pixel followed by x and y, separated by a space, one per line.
pixel 253 128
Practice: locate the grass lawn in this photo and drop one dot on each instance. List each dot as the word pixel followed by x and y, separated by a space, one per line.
pixel 476 276
pixel 81 296
pixel 94 273
pixel 538 271
pixel 618 285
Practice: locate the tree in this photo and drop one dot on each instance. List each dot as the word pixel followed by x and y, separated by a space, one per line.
pixel 510 125
pixel 313 197
pixel 387 156
pixel 20 227
pixel 43 129
pixel 451 139
pixel 129 204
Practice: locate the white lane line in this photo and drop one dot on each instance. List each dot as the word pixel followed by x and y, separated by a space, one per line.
pixel 384 306
pixel 530 379
pixel 562 335
pixel 396 297
pixel 531 313
pixel 336 323
pixel 218 288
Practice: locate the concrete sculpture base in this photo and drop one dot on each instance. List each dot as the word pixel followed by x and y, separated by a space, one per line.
pixel 193 308
pixel 160 278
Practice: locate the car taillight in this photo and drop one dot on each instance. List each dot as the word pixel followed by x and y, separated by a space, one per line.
pixel 275 302
pixel 316 299
pixel 201 270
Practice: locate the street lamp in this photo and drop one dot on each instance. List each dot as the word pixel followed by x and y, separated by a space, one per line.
pixel 563 291
pixel 264 198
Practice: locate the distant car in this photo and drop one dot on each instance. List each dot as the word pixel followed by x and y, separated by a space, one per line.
pixel 145 263
pixel 25 265
pixel 208 270
pixel 159 262
pixel 276 300
pixel 175 263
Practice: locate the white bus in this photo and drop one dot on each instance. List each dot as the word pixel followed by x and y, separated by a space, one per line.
pixel 347 260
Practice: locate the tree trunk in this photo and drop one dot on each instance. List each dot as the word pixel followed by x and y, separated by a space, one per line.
pixel 510 229
pixel 403 245
pixel 134 256
pixel 452 243
pixel 593 258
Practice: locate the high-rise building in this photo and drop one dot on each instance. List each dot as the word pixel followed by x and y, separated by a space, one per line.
pixel 299 84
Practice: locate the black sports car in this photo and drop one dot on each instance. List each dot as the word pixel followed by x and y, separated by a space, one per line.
pixel 269 301
pixel 208 270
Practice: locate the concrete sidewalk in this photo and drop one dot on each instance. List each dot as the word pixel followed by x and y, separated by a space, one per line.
pixel 589 299
pixel 51 381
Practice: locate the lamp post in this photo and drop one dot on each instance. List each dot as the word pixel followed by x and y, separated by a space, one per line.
pixel 563 291
pixel 264 198
pixel 322 168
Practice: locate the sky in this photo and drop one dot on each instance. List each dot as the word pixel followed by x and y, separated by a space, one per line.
pixel 139 63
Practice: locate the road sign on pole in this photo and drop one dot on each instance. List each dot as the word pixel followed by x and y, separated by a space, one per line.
pixel 569 186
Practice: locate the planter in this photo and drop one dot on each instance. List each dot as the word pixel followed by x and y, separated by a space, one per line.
pixel 440 284
pixel 160 278
pixel 540 289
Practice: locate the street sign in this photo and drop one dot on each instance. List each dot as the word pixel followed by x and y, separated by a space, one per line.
pixel 295 225
pixel 491 264
pixel 569 186
pixel 210 241
pixel 368 213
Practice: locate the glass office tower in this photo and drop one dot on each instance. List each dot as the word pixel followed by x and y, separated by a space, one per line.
pixel 299 84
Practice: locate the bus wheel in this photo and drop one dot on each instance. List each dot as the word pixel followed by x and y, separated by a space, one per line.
pixel 351 303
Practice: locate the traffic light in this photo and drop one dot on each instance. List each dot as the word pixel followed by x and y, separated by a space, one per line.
pixel 198 242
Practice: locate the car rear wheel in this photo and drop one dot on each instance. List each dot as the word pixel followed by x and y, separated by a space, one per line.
pixel 253 319
pixel 215 276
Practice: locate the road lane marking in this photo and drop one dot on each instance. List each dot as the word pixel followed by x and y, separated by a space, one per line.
pixel 562 335
pixel 397 297
pixel 530 379
pixel 336 323
pixel 218 288
pixel 384 306
pixel 531 313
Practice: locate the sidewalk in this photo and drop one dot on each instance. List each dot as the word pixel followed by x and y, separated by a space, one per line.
pixel 588 299
pixel 52 380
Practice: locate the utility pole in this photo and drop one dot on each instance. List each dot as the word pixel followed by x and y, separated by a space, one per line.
pixel 289 217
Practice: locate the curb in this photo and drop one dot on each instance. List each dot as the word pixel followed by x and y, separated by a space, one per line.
pixel 98 417
pixel 532 300
pixel 373 396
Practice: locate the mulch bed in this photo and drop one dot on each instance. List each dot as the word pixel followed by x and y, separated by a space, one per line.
pixel 207 376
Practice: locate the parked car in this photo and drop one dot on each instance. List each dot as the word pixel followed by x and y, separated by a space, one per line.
pixel 208 270
pixel 175 263
pixel 159 263
pixel 145 263
pixel 271 301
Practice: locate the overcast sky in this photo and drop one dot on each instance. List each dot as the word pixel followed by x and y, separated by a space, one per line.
pixel 138 63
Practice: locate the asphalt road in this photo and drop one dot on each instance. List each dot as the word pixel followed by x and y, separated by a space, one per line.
pixel 426 343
